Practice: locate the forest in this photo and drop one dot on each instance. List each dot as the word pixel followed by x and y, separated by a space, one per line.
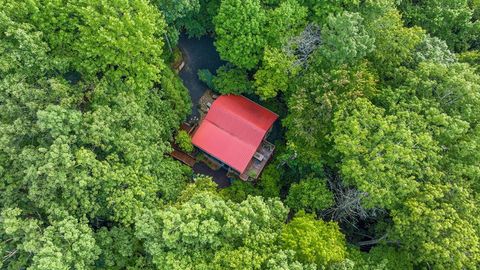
pixel 377 165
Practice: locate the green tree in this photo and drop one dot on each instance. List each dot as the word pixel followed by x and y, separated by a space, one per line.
pixel 381 257
pixel 32 58
pixel 451 21
pixel 184 141
pixel 283 22
pixel 239 191
pixel 105 49
pixel 447 96
pixel 275 74
pixel 120 249
pixel 381 155
pixel 394 43
pixel 205 231
pixel 310 194
pixel 315 97
pixel 239 28
pixel 314 241
pixel 174 10
pixel 439 224
pixel 320 10
pixel 472 58
pixel 232 81
pixel 85 129
pixel 64 244
pixel 344 39
pixel 199 23
pixel 270 180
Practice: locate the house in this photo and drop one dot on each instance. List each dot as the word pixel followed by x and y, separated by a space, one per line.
pixel 233 133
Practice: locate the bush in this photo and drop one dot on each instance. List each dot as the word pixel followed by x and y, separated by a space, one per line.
pixel 270 181
pixel 207 77
pixel 184 141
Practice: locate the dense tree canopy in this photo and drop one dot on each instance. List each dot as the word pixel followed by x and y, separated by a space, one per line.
pixel 239 27
pixel 204 231
pixel 82 144
pixel 453 21
pixel 377 157
pixel 314 241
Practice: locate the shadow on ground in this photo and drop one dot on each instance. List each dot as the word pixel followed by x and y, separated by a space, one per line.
pixel 198 54
pixel 219 176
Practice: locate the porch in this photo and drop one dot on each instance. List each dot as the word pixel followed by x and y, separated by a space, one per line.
pixel 258 161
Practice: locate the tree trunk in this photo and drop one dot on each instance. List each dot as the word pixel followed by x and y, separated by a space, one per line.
pixel 372 242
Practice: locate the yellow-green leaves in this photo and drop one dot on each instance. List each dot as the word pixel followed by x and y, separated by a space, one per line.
pixel 380 154
pixel 314 241
pixel 440 225
pixel 203 231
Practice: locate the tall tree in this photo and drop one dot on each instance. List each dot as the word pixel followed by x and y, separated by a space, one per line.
pixel 440 226
pixel 204 231
pixel 452 21
pixel 314 241
pixel 239 26
pixel 394 43
pixel 284 21
pixel 309 194
pixel 345 39
pixel 275 74
pixel 63 244
pixel 84 130
pixel 381 155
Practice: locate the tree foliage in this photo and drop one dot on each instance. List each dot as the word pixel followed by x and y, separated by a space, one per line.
pixel 275 73
pixel 452 21
pixel 377 151
pixel 205 231
pixel 184 141
pixel 441 228
pixel 309 194
pixel 345 39
pixel 314 241
pixel 232 80
pixel 379 140
pixel 63 244
pixel 88 109
pixel 239 28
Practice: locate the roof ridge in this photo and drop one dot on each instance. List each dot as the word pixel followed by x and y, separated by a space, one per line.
pixel 233 134
pixel 245 120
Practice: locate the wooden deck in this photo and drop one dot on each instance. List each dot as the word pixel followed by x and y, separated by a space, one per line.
pixel 255 167
pixel 183 157
pixel 188 128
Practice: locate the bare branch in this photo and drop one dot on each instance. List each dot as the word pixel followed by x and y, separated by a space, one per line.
pixel 348 207
pixel 303 45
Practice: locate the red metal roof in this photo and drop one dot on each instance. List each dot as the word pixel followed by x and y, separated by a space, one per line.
pixel 233 129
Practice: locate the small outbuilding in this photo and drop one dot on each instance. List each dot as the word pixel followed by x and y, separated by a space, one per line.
pixel 233 133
